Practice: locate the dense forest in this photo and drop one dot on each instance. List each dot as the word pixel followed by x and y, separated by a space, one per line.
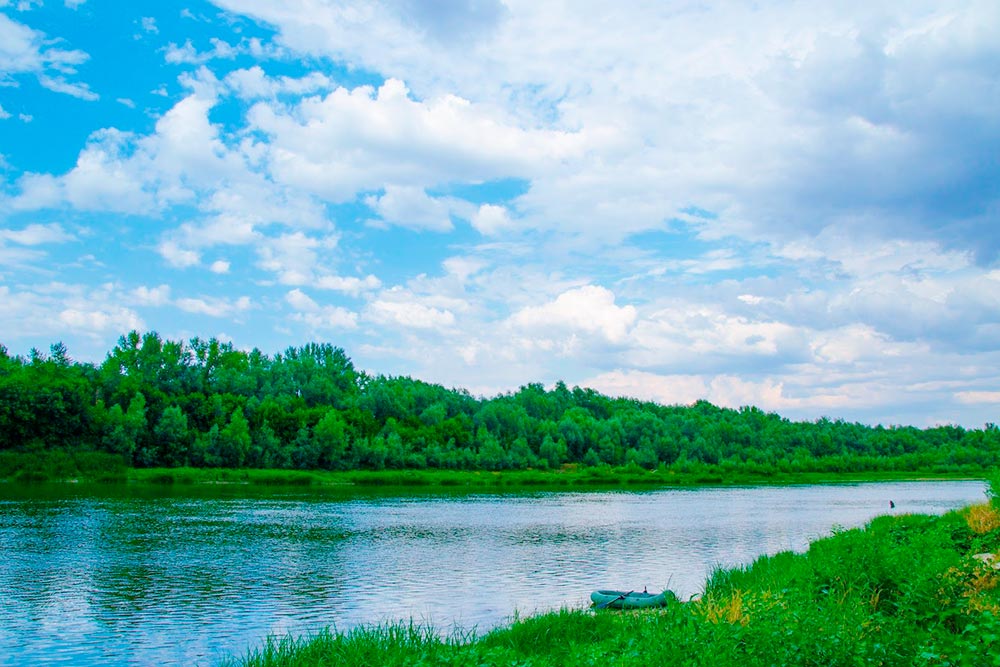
pixel 161 403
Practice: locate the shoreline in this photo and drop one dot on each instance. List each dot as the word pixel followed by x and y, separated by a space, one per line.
pixel 907 589
pixel 567 478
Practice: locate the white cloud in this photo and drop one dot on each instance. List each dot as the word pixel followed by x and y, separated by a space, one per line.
pixel 253 83
pixel 665 389
pixel 59 84
pixel 214 307
pixel 187 54
pixel 101 321
pixel 359 140
pixel 328 317
pixel 299 300
pixel 778 119
pixel 589 309
pixel 219 266
pixel 409 314
pixel 293 257
pixel 491 219
pixel 151 296
pixel 4 114
pixel 349 284
pixel 178 257
pixel 463 267
pixel 724 390
pixel 37 234
pixel 61 311
pixel 411 207
pixel 318 317
pixel 976 397
pixel 27 51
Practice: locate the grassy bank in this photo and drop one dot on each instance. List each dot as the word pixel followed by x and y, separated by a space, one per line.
pixel 905 590
pixel 76 466
pixel 569 477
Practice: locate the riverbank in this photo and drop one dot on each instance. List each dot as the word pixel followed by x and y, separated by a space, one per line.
pixel 58 466
pixel 905 590
pixel 570 477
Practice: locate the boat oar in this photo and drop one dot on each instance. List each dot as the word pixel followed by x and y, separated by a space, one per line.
pixel 620 597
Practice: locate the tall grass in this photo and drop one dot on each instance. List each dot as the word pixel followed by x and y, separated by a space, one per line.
pixel 62 465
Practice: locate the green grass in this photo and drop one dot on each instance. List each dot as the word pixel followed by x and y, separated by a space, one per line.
pixel 62 465
pixel 632 478
pixel 905 590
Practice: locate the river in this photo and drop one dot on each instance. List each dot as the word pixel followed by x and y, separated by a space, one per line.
pixel 189 575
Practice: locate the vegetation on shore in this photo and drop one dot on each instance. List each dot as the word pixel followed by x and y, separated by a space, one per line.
pixel 905 590
pixel 164 404
pixel 60 465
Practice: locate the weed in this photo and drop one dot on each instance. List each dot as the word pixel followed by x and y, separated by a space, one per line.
pixel 983 518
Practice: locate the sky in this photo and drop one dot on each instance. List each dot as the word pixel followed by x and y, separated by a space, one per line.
pixel 793 205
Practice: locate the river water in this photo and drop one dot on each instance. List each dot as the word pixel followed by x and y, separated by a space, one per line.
pixel 97 575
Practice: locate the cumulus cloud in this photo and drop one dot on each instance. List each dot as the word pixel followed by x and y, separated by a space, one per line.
pixel 411 207
pixel 151 296
pixel 253 83
pixel 219 266
pixel 348 284
pixel 876 118
pixel 317 317
pixel 589 309
pixel 362 139
pixel 66 310
pixel 100 320
pixel 178 257
pixel 783 205
pixel 293 257
pixel 214 306
pixel 491 219
pixel 409 314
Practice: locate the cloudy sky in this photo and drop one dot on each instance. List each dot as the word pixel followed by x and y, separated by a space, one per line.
pixel 794 205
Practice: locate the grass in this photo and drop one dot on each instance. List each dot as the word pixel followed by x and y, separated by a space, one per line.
pixel 62 465
pixel 905 590
pixel 568 477
pixel 71 465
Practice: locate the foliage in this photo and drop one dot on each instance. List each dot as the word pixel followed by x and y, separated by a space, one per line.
pixel 161 403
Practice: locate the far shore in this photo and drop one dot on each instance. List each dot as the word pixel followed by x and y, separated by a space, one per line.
pixel 569 477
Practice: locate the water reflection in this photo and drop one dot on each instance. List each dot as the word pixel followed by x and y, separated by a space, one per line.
pixel 185 576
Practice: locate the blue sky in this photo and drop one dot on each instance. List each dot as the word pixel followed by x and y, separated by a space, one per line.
pixel 793 206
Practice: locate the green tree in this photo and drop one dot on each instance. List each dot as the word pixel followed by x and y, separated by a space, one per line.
pixel 134 424
pixel 553 452
pixel 171 433
pixel 330 440
pixel 233 442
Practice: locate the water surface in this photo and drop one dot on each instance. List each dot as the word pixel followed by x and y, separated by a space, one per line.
pixel 94 576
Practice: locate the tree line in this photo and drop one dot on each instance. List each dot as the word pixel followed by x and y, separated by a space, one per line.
pixel 204 403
